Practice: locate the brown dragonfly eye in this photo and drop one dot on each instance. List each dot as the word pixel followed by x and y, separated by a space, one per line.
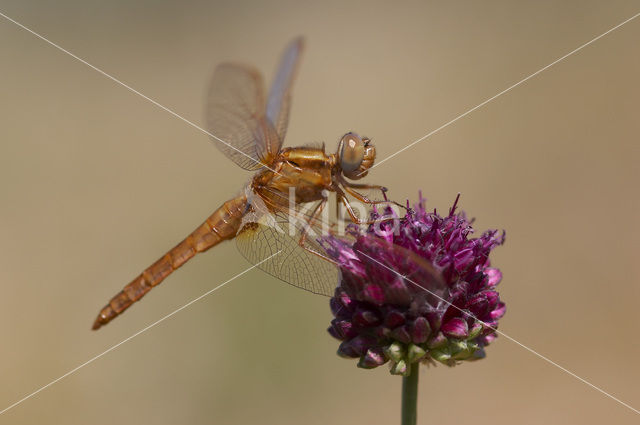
pixel 351 151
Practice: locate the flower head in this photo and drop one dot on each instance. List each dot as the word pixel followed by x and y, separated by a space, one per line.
pixel 414 289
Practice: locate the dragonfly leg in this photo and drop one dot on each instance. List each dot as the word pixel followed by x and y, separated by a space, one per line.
pixel 312 220
pixel 315 214
pixel 354 217
pixel 360 197
pixel 346 184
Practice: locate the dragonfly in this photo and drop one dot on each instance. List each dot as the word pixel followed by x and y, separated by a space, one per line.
pixel 249 128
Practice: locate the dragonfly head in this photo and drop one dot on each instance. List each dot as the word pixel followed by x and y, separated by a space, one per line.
pixel 355 155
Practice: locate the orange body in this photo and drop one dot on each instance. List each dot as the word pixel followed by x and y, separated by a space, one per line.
pixel 223 224
pixel 308 170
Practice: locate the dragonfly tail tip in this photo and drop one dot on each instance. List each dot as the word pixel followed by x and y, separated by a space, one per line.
pixel 97 324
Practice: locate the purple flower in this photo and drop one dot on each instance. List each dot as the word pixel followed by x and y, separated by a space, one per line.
pixel 414 289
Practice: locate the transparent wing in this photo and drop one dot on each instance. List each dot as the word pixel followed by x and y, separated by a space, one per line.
pixel 279 100
pixel 235 116
pixel 270 239
pixel 271 243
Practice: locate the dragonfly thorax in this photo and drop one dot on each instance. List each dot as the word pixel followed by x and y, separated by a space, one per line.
pixel 300 173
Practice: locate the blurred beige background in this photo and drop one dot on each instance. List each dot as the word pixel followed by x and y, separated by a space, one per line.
pixel 96 183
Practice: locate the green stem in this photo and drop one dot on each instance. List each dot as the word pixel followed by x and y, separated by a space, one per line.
pixel 410 396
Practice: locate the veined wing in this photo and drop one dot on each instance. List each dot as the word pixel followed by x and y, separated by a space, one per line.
pixel 279 100
pixel 235 115
pixel 270 237
pixel 274 234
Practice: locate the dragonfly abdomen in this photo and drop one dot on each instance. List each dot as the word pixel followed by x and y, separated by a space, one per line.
pixel 222 225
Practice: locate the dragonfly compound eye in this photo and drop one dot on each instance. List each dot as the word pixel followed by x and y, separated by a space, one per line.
pixel 356 155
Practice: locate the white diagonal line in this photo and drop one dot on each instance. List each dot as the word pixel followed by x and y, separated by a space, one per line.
pixel 531 350
pixel 114 79
pixel 505 90
pixel 378 163
pixel 134 335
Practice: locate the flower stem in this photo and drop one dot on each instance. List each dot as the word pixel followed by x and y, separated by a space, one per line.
pixel 410 395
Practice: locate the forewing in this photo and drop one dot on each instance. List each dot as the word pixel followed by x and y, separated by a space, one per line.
pixel 273 245
pixel 235 116
pixel 279 101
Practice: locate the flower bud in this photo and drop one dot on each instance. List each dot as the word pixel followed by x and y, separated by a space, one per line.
pixel 456 328
pixel 400 368
pixel 438 341
pixel 415 353
pixel 365 318
pixel 475 330
pixel 394 318
pixel 374 357
pixel 401 334
pixel 395 351
pixel 441 354
pixel 420 330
